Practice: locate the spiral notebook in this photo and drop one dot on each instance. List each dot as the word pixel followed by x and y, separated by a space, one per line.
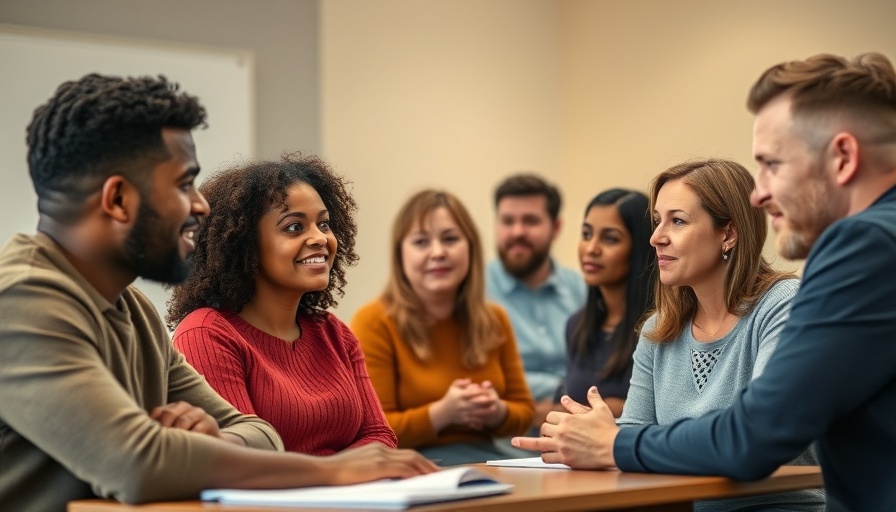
pixel 446 485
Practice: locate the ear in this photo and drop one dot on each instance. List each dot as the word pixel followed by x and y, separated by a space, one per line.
pixel 844 153
pixel 119 200
pixel 730 240
pixel 557 224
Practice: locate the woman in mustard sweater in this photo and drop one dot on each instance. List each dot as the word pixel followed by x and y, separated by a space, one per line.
pixel 444 363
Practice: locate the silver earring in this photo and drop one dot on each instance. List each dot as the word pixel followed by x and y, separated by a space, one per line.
pixel 724 256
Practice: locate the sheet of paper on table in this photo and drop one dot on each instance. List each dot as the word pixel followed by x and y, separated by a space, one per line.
pixel 528 462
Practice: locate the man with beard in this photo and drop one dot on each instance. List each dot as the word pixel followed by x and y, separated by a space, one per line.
pixel 94 401
pixel 538 294
pixel 824 138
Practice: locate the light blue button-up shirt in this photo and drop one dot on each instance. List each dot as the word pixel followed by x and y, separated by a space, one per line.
pixel 539 320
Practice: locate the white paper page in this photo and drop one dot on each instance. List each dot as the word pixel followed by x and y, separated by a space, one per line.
pixel 528 462
pixel 446 485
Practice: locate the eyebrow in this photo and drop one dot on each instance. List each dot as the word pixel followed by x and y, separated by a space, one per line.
pixel 673 210
pixel 285 214
pixel 426 232
pixel 191 172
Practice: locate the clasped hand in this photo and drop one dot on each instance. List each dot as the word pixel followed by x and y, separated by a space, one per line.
pixel 581 438
pixel 473 405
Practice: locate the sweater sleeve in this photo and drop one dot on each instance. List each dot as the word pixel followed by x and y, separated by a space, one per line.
pixel 842 318
pixel 209 344
pixel 773 310
pixel 378 340
pixel 374 427
pixel 640 406
pixel 57 390
pixel 520 405
pixel 224 378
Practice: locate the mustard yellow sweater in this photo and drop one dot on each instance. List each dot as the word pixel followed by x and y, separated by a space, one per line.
pixel 407 386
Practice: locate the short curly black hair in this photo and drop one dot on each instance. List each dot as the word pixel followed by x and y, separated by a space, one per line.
pixel 99 126
pixel 226 257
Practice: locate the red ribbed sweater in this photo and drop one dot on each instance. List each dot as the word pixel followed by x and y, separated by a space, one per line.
pixel 314 390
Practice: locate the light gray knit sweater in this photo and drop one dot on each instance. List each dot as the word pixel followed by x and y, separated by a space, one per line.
pixel 685 378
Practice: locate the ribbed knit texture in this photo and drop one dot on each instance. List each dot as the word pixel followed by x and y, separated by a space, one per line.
pixel 314 390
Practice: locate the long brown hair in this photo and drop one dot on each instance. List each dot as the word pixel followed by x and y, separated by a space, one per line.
pixel 482 329
pixel 723 187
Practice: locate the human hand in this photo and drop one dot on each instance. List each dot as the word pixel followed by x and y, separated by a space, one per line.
pixel 457 406
pixel 491 409
pixel 542 408
pixel 581 438
pixel 375 461
pixel 185 416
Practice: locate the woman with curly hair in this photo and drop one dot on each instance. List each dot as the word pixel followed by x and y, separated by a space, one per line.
pixel 270 259
pixel 443 361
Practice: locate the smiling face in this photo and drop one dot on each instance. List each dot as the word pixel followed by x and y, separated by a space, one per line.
pixel 605 247
pixel 688 246
pixel 435 256
pixel 792 185
pixel 160 243
pixel 296 245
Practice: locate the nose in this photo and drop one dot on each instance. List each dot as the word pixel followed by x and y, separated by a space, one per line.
pixel 437 249
pixel 316 237
pixel 760 195
pixel 658 238
pixel 592 247
pixel 199 206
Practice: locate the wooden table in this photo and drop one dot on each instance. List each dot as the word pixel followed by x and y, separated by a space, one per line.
pixel 550 490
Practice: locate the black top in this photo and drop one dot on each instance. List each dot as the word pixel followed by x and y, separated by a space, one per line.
pixel 584 372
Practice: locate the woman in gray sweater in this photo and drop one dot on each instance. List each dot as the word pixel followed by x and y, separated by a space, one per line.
pixel 720 308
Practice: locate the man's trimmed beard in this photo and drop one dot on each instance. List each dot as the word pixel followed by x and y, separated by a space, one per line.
pixel 527 267
pixel 149 254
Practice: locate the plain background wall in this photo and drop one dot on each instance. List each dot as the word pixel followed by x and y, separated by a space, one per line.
pixel 403 94
pixel 593 94
pixel 282 34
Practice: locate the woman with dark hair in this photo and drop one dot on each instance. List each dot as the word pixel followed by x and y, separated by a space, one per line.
pixel 270 259
pixel 443 361
pixel 619 266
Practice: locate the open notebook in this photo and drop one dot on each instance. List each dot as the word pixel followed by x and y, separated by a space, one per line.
pixel 445 485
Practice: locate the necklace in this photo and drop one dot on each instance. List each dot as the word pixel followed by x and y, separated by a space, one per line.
pixel 712 335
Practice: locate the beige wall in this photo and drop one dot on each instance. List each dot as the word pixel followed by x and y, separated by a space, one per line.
pixel 403 94
pixel 594 94
pixel 447 94
pixel 647 84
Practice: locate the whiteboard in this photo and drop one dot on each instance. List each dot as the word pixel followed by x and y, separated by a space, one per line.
pixel 34 62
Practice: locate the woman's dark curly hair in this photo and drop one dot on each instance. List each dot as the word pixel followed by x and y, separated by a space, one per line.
pixel 226 257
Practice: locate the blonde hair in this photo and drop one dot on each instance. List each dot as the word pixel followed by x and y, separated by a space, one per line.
pixel 482 330
pixel 723 187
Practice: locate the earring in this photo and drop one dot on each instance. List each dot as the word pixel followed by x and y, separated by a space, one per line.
pixel 725 253
pixel 724 256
